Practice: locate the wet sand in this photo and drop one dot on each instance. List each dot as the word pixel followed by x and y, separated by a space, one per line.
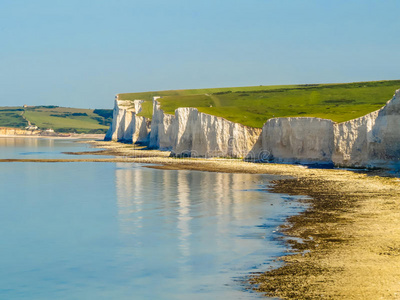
pixel 345 246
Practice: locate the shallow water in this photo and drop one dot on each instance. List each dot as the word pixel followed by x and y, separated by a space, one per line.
pixel 124 231
pixel 28 148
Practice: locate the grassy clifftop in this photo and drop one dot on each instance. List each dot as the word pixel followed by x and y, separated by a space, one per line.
pixel 253 106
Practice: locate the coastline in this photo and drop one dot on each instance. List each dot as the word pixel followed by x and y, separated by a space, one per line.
pixel 72 136
pixel 350 234
pixel 346 245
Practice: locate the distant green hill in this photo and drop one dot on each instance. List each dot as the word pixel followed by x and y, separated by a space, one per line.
pixel 12 117
pixel 253 106
pixel 60 119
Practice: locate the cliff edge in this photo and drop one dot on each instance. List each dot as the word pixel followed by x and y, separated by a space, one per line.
pixel 196 134
pixel 370 141
pixel 127 126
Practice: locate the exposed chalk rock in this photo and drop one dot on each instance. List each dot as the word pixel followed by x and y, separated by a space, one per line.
pixel 369 141
pixel 9 131
pixel 161 135
pixel 127 126
pixel 372 140
pixel 192 133
pixel 297 140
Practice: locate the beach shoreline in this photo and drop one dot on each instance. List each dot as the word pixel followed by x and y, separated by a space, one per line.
pixel 345 245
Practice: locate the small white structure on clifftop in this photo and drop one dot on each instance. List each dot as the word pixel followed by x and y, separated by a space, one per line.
pixel 31 127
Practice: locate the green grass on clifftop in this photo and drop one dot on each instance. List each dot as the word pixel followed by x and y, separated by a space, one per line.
pixel 253 106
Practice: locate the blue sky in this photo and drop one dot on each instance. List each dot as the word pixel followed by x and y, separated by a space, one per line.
pixel 81 53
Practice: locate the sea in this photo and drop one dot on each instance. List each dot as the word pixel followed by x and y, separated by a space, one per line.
pixel 102 230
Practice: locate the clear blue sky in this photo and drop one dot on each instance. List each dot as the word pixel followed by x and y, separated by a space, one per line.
pixel 80 53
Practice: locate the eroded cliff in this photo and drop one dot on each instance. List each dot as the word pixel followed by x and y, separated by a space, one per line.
pixel 127 126
pixel 192 133
pixel 295 140
pixel 370 141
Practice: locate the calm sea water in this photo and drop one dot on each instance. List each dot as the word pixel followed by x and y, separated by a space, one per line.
pixel 124 231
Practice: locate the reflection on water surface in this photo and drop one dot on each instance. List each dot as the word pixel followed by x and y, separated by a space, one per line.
pixel 123 231
pixel 205 230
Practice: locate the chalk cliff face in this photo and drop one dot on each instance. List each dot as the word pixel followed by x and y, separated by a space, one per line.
pixel 161 136
pixel 296 140
pixel 372 140
pixel 192 133
pixel 17 131
pixel 127 126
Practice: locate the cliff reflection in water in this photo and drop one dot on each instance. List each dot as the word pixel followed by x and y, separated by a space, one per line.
pixel 122 231
pixel 190 224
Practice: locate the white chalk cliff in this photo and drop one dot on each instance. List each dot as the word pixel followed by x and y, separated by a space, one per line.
pixel 370 141
pixel 295 140
pixel 161 136
pixel 193 133
pixel 126 125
